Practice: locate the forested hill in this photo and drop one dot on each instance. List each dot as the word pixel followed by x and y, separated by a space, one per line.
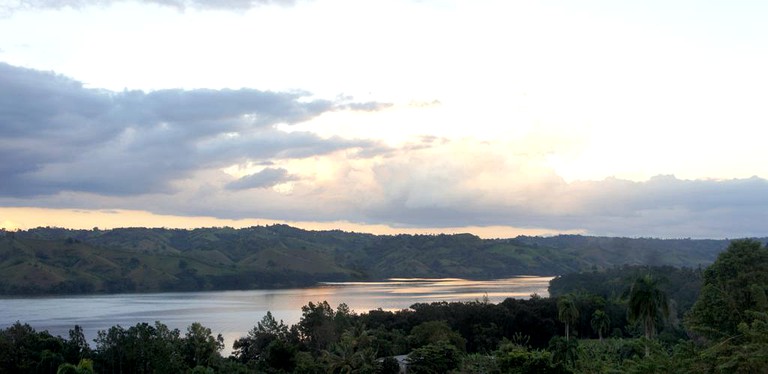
pixel 606 251
pixel 54 260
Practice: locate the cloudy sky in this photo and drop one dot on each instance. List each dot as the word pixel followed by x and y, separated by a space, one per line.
pixel 418 116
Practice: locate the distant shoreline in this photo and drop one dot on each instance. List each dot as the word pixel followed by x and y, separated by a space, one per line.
pixel 55 261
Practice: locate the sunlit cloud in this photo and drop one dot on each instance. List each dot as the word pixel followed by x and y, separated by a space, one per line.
pixel 497 117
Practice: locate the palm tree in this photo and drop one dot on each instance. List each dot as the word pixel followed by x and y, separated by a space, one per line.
pixel 647 303
pixel 600 323
pixel 353 353
pixel 567 313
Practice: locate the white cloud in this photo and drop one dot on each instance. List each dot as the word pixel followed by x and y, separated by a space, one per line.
pixel 554 115
pixel 11 6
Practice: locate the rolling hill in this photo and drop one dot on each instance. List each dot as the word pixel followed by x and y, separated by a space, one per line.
pixel 56 261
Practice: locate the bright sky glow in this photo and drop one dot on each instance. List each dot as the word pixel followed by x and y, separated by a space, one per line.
pixel 496 116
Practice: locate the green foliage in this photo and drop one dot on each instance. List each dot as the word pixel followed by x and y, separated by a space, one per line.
pixel 60 261
pixel 651 364
pixel 478 364
pixel 567 312
pixel 200 347
pixel 308 364
pixel 352 353
pixel 684 357
pixel 436 329
pixel 436 358
pixel 266 344
pixel 318 325
pixel 743 353
pixel 604 252
pixel 733 286
pixel 279 356
pixel 646 303
pixel 84 367
pixel 141 349
pixel 513 358
pixel 202 370
pixel 389 342
pixel 436 332
pixel 515 336
pixel 76 348
pixel 389 365
pixel 146 349
pixel 604 357
pixel 564 352
pixel 600 323
pixel 24 350
pixel 67 368
pixel 680 284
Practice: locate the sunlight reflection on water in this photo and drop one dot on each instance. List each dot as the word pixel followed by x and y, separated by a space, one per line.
pixel 233 313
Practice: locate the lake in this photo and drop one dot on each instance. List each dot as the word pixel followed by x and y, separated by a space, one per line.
pixel 233 313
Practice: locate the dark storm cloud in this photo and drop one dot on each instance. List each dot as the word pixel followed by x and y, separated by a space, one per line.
pixel 59 136
pixel 263 179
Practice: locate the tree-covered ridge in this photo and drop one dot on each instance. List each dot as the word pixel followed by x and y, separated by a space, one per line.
pixel 682 285
pixel 599 250
pixel 535 335
pixel 55 260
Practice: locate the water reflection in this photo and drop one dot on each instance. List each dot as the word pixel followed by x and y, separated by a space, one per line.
pixel 233 313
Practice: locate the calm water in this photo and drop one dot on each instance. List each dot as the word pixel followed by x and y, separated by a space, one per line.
pixel 233 313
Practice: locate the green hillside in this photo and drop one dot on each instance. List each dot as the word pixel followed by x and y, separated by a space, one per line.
pixel 55 260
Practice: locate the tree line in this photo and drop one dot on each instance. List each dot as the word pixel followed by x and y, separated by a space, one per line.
pixel 641 329
pixel 63 261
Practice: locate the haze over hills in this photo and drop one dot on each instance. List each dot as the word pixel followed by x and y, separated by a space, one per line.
pixel 58 261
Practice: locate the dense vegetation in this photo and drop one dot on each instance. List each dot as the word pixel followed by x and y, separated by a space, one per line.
pixel 681 285
pixel 586 328
pixel 56 261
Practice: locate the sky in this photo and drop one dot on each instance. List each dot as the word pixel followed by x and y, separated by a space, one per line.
pixel 498 118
